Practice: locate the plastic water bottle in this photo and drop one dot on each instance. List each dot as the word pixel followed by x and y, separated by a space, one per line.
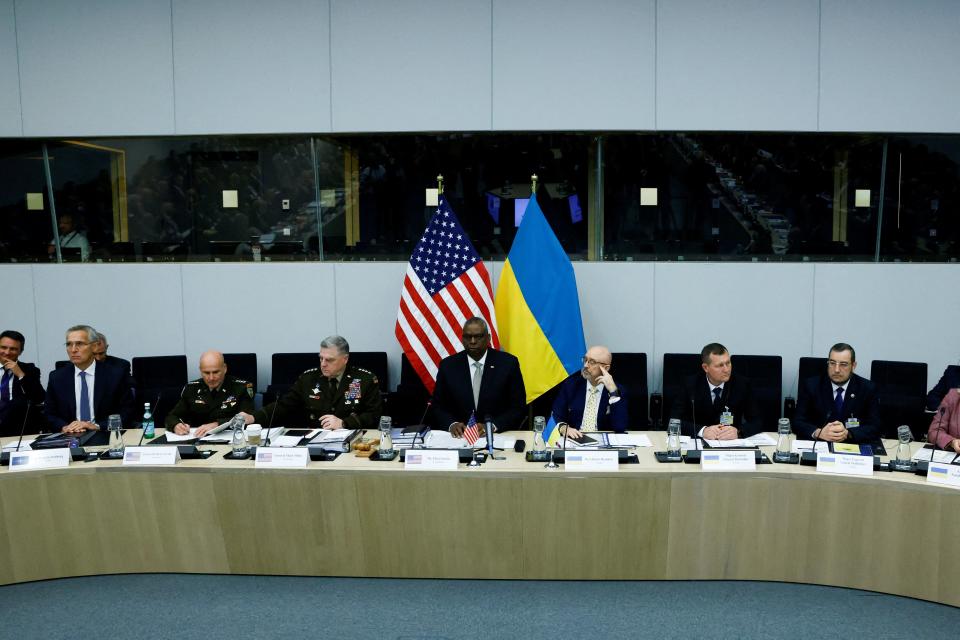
pixel 386 439
pixel 673 438
pixel 784 448
pixel 238 440
pixel 148 427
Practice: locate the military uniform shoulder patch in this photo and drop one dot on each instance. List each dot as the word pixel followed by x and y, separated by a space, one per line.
pixel 250 389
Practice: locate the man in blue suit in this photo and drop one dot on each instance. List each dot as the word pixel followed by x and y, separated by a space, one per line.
pixel 839 406
pixel 590 400
pixel 81 397
pixel 20 386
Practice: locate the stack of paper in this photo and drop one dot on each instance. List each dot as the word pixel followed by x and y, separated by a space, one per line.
pixel 945 457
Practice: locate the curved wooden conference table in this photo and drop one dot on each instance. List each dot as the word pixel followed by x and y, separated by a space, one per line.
pixel 891 533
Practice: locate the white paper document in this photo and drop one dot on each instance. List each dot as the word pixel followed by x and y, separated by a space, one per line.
pixel 761 440
pixel 173 437
pixel 24 445
pixel 938 456
pixel 443 440
pixel 629 440
pixel 807 445
pixel 689 444
pixel 736 443
pixel 283 441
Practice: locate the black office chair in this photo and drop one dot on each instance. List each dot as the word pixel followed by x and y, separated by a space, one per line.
pixel 376 363
pixel 630 369
pixel 160 381
pixel 409 401
pixel 61 363
pixel 285 369
pixel 766 376
pixel 676 367
pixel 808 367
pixel 242 365
pixel 902 391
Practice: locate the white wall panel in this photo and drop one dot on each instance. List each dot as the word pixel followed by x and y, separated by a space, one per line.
pixel 96 68
pixel 17 311
pixel 421 65
pixel 367 300
pixel 749 308
pixel 888 312
pixel 251 66
pixel 747 65
pixel 262 309
pixel 10 122
pixel 139 307
pixel 890 65
pixel 573 64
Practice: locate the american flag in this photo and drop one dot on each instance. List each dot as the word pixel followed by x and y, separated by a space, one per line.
pixel 471 434
pixel 446 284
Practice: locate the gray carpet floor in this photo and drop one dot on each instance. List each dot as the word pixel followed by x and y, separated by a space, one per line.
pixel 211 607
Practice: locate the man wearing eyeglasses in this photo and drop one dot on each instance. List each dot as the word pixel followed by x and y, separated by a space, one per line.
pixel 714 403
pixel 481 381
pixel 839 406
pixel 590 400
pixel 80 397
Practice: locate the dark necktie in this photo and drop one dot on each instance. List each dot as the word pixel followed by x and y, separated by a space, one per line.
pixel 5 388
pixel 84 398
pixel 716 396
pixel 838 404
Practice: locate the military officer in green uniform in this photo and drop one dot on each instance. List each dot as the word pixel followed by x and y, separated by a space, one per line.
pixel 335 396
pixel 210 400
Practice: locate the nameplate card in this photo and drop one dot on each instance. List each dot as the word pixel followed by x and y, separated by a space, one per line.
pixel 728 460
pixel 591 461
pixel 945 474
pixel 432 459
pixel 281 458
pixel 845 464
pixel 42 459
pixel 150 456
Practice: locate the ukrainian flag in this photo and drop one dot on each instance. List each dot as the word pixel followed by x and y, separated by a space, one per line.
pixel 538 309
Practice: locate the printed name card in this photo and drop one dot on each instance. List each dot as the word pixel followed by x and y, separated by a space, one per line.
pixel 845 464
pixel 590 461
pixel 281 458
pixel 150 456
pixel 432 459
pixel 728 460
pixel 945 474
pixel 42 459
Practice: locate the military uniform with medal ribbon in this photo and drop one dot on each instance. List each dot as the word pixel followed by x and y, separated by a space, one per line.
pixel 354 398
pixel 200 405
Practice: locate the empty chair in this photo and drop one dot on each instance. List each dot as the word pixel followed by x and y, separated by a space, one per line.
pixel 902 391
pixel 630 369
pixel 376 363
pixel 676 367
pixel 284 371
pixel 160 380
pixel 242 365
pixel 766 376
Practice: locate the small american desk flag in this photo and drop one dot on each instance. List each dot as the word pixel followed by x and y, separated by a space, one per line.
pixel 446 284
pixel 471 434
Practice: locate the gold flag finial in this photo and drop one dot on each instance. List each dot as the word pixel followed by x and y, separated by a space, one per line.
pixel 533 184
pixel 440 184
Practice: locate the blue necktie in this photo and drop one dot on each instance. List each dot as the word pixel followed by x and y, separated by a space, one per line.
pixel 716 395
pixel 838 404
pixel 84 398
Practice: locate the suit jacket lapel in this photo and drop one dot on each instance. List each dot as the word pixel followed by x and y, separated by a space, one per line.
pixel 99 389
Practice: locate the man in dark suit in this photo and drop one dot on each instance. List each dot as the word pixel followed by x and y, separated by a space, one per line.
pixel 715 404
pixel 100 354
pixel 82 395
pixel 590 400
pixel 839 406
pixel 478 380
pixel 949 380
pixel 19 384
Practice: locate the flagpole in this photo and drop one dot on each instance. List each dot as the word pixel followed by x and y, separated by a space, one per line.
pixel 533 184
pixel 439 184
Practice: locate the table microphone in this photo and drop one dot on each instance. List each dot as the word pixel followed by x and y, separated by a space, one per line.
pixel 5 457
pixel 490 427
pixel 266 441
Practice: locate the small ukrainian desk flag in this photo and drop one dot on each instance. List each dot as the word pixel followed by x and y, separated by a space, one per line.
pixel 538 309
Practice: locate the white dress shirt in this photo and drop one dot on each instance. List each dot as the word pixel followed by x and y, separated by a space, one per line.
pixel 91 376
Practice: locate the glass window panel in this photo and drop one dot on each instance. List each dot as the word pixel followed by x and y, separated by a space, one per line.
pixel 25 234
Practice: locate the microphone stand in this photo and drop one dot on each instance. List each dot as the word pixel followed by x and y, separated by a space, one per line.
pixel 5 456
